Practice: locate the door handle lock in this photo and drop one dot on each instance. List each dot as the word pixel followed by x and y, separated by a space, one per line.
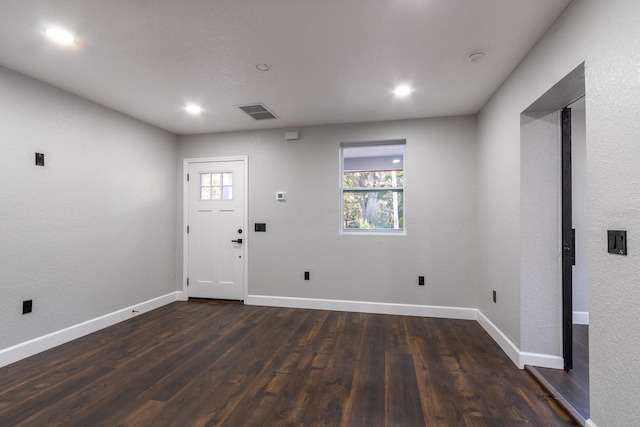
pixel 239 241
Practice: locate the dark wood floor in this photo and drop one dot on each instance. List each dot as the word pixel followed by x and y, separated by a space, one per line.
pixel 212 364
pixel 571 388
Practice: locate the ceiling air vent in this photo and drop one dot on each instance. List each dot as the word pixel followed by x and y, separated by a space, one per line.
pixel 257 111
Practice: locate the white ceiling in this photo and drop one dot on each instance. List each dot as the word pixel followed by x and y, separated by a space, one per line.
pixel 332 61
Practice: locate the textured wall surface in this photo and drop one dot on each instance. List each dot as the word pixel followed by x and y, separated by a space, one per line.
pixel 303 233
pixel 540 274
pixel 498 196
pixel 92 231
pixel 606 36
pixel 580 210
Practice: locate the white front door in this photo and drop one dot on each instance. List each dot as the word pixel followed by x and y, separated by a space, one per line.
pixel 216 229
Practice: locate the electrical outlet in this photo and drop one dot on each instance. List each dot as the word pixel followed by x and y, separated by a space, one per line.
pixel 27 306
pixel 494 296
pixel 306 275
pixel 420 280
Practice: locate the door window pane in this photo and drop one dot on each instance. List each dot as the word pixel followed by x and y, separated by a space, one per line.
pixel 227 193
pixel 216 186
pixel 205 193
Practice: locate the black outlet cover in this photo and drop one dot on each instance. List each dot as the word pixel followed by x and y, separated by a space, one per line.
pixel 420 280
pixel 306 275
pixel 27 306
pixel 494 296
pixel 39 159
pixel 617 242
pixel 261 226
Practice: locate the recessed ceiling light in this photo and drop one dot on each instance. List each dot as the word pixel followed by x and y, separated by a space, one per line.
pixel 403 90
pixel 193 109
pixel 263 67
pixel 60 36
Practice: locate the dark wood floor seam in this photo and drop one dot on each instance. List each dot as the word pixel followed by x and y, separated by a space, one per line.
pixel 564 403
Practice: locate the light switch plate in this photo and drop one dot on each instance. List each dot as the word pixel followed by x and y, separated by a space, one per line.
pixel 281 196
pixel 617 242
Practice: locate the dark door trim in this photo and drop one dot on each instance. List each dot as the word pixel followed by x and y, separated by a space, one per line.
pixel 567 243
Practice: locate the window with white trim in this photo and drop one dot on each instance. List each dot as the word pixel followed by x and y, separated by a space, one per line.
pixel 372 186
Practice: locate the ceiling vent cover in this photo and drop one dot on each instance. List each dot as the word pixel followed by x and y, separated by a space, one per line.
pixel 257 111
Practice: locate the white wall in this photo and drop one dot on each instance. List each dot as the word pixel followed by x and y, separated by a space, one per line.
pixel 606 36
pixel 580 210
pixel 92 231
pixel 303 233
pixel 540 199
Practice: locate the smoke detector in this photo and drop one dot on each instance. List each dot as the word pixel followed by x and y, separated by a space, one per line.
pixel 475 57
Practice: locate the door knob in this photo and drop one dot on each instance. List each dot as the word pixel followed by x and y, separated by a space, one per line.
pixel 239 241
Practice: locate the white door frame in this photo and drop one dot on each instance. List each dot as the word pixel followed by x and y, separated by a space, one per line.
pixel 185 218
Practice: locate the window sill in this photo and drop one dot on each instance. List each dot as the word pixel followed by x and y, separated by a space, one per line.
pixel 373 233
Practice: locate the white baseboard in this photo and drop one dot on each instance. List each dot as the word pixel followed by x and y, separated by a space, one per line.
pixel 29 348
pixel 580 317
pixel 364 307
pixel 519 358
pixel 512 351
pixel 541 360
pixel 590 423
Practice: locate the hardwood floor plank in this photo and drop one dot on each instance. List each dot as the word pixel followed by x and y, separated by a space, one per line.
pixel 141 415
pixel 331 397
pixel 212 364
pixel 234 372
pixel 367 391
pixel 171 372
pixel 259 393
pixel 402 401
pixel 98 402
pixel 273 395
pixel 23 410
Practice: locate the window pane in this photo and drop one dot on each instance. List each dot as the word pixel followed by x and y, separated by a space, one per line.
pixel 227 178
pixel 373 179
pixel 398 178
pixel 205 193
pixel 373 210
pixel 227 193
pixel 215 179
pixel 216 193
pixel 205 179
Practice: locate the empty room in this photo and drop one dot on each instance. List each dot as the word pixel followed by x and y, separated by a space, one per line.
pixel 279 212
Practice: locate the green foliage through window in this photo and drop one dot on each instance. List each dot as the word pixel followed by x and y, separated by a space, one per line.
pixel 373 210
pixel 373 187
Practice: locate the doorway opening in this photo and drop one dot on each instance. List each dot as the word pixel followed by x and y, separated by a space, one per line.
pixel 554 305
